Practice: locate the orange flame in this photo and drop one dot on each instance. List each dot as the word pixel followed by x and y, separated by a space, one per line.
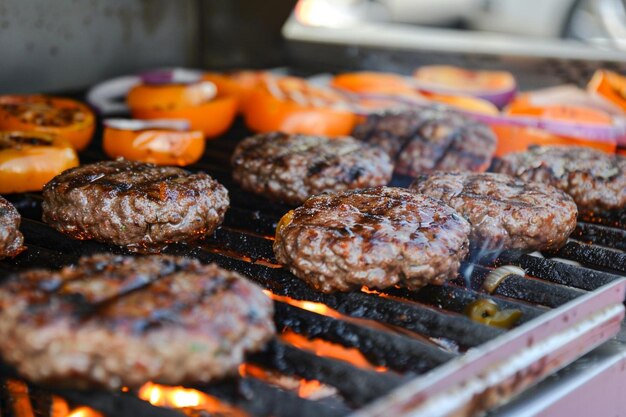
pixel 310 389
pixel 330 350
pixel 318 308
pixel 179 397
pixel 84 412
pixel 19 393
pixel 59 407
pixel 369 291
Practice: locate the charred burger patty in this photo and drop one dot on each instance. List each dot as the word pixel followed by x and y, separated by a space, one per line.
pixel 432 139
pixel 291 168
pixel 505 212
pixel 114 321
pixel 376 237
pixel 141 206
pixel 11 239
pixel 594 179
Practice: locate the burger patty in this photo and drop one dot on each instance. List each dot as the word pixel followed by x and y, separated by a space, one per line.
pixel 11 239
pixel 377 237
pixel 113 321
pixel 291 168
pixel 505 212
pixel 594 179
pixel 140 206
pixel 432 139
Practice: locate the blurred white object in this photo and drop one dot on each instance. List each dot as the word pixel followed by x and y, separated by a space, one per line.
pixel 552 28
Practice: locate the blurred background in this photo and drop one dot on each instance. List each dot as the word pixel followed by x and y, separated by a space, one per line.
pixel 66 45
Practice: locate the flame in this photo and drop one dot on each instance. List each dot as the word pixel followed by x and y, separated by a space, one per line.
pixel 84 412
pixel 19 393
pixel 310 389
pixel 370 291
pixel 330 350
pixel 236 255
pixel 180 397
pixel 59 407
pixel 318 308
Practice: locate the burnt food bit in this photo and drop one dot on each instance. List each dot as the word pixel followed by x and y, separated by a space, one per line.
pixel 430 139
pixel 505 212
pixel 291 168
pixel 114 321
pixel 140 206
pixel 11 239
pixel 376 237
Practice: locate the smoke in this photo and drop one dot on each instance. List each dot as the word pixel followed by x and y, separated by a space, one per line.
pixel 485 254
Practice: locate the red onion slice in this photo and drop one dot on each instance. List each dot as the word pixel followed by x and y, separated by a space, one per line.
pixel 171 76
pixel 443 79
pixel 180 125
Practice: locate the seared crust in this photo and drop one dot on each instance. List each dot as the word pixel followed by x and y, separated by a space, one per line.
pixel 291 168
pixel 376 237
pixel 505 212
pixel 594 179
pixel 114 321
pixel 432 139
pixel 141 206
pixel 11 239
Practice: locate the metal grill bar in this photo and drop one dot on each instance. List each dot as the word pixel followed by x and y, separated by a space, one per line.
pixel 250 221
pixel 36 257
pixel 397 352
pixel 263 400
pixel 600 235
pixel 251 246
pixel 116 403
pixel 357 386
pixel 559 272
pixel 453 298
pixel 616 219
pixel 254 396
pixel 527 289
pixel 593 255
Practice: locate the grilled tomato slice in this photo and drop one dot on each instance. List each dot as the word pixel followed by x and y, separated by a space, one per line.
pixel 208 106
pixel 63 117
pixel 153 142
pixel 609 85
pixel 292 105
pixel 372 82
pixel 28 160
pixel 240 84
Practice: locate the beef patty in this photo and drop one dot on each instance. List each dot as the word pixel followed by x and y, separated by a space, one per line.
pixel 432 139
pixel 141 206
pixel 505 212
pixel 11 239
pixel 377 237
pixel 594 179
pixel 113 321
pixel 291 168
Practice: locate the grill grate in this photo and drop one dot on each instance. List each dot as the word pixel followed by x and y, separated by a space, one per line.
pixel 408 333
